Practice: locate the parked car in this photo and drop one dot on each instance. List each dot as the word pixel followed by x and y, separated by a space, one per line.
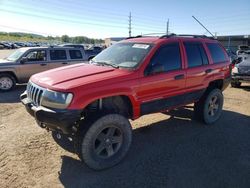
pixel 26 61
pixel 92 103
pixel 241 70
pixel 73 45
pixel 89 52
pixel 5 45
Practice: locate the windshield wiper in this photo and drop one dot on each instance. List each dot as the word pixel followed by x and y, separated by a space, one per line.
pixel 105 63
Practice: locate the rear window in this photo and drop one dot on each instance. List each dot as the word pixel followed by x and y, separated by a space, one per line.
pixel 216 52
pixel 75 54
pixel 58 54
pixel 196 54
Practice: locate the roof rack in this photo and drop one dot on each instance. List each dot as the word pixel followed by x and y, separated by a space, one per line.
pixel 146 35
pixel 185 35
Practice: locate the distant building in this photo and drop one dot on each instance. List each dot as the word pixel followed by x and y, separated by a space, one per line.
pixel 113 40
pixel 232 42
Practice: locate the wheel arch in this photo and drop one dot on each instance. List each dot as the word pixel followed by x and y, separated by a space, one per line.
pixel 216 84
pixel 10 73
pixel 121 104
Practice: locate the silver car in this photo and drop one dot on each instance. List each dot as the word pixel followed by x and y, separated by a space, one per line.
pixel 24 62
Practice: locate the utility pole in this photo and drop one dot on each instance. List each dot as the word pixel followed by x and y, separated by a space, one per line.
pixel 167 29
pixel 129 24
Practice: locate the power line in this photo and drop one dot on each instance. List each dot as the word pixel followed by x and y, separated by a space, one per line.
pixel 61 20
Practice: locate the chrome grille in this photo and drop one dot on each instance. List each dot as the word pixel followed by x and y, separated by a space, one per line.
pixel 34 93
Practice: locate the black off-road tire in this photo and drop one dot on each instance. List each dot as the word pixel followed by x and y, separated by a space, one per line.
pixel 88 138
pixel 235 84
pixel 11 78
pixel 202 108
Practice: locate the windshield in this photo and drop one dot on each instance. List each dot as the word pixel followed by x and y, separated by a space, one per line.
pixel 127 55
pixel 16 55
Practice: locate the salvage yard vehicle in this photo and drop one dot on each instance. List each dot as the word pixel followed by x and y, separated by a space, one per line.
pixel 91 103
pixel 24 62
pixel 241 70
pixel 90 53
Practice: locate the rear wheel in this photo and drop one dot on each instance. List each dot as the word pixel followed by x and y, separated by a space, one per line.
pixel 106 142
pixel 209 107
pixel 7 82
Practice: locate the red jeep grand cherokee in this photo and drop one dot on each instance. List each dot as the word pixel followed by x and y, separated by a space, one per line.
pixel 92 102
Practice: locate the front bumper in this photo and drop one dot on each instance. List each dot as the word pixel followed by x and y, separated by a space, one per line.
pixel 64 121
pixel 241 77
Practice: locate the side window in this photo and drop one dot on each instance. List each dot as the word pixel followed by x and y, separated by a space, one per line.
pixel 75 54
pixel 37 55
pixel 58 54
pixel 168 56
pixel 196 54
pixel 216 52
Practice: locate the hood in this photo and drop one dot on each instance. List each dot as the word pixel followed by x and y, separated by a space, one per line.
pixel 74 75
pixel 5 62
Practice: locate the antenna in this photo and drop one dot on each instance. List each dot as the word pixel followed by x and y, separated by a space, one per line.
pixel 202 26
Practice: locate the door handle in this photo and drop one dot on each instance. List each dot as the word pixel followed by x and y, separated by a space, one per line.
pixel 64 63
pixel 179 77
pixel 43 64
pixel 208 70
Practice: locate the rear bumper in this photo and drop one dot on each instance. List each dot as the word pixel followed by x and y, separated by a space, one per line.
pixel 54 119
pixel 241 78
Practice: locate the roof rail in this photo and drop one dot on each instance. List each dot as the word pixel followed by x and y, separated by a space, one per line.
pixel 186 35
pixel 145 35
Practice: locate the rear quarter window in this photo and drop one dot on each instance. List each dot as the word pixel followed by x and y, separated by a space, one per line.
pixel 75 54
pixel 216 52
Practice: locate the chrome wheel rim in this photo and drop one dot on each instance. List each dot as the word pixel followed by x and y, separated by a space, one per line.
pixel 108 142
pixel 5 83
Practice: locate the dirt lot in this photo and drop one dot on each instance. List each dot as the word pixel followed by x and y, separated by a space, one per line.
pixel 167 151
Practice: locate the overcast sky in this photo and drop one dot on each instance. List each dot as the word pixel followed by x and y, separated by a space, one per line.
pixel 109 18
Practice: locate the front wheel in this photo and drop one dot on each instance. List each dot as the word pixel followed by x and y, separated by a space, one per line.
pixel 106 142
pixel 7 82
pixel 209 107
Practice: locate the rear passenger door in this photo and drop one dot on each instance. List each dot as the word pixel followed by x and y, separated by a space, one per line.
pixel 197 66
pixel 58 58
pixel 164 87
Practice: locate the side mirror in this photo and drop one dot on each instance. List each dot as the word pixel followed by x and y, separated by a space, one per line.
pixel 157 68
pixel 23 60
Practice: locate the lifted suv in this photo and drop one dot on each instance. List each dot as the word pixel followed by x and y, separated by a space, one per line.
pixel 92 103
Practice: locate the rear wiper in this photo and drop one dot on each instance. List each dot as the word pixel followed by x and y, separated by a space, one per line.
pixel 105 63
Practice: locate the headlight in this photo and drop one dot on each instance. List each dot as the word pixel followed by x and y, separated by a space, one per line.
pixel 235 70
pixel 55 99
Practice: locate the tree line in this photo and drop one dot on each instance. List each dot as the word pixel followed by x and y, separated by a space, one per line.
pixel 63 38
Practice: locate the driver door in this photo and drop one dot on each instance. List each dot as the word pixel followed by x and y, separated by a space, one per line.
pixel 36 62
pixel 163 84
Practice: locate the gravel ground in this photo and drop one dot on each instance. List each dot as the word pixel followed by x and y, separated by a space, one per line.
pixel 168 150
